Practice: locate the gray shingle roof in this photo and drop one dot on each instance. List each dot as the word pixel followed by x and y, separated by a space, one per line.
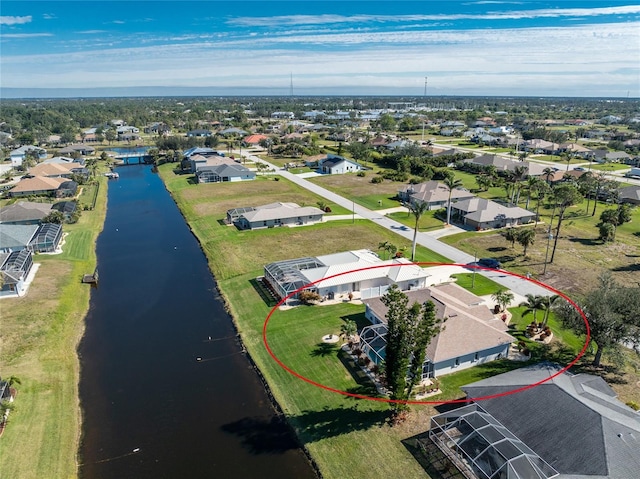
pixel 574 422
pixel 16 237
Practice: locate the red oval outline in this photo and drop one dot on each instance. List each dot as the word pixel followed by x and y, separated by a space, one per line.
pixel 451 401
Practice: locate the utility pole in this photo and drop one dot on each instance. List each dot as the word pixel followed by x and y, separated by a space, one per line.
pixel 426 79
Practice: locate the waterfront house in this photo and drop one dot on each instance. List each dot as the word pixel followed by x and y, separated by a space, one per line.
pixel 24 213
pixel 359 272
pixel 78 148
pixel 43 238
pixel 274 214
pixel 568 426
pixel 223 173
pixel 14 270
pixel 471 333
pixel 43 186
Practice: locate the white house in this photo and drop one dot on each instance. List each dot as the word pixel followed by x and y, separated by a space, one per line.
pixel 274 214
pixel 360 272
pixel 18 155
pixel 337 165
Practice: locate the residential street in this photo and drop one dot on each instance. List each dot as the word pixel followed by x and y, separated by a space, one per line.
pixel 429 240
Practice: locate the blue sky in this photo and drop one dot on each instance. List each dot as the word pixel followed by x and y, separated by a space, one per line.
pixel 531 48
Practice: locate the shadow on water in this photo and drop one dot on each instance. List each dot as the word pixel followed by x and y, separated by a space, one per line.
pixel 267 436
pixel 262 435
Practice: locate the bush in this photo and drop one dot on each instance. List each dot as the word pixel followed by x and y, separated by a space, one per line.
pixel 309 297
pixel 377 179
pixel 361 174
pixel 634 405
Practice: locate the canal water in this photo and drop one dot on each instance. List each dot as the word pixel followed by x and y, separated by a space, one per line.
pixel 151 409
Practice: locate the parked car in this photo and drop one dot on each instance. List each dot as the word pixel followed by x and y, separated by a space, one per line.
pixel 489 263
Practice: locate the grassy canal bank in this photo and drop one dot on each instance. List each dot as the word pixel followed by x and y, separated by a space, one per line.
pixel 39 337
pixel 346 437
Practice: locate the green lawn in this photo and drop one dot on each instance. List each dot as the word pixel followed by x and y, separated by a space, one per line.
pixel 428 221
pixel 609 167
pixel 39 336
pixel 476 283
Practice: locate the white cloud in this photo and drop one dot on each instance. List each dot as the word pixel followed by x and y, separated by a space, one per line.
pixel 26 35
pixel 598 59
pixel 288 20
pixel 8 20
pixel 49 16
pixel 91 32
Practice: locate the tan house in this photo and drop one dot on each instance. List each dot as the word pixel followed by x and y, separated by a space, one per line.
pixel 44 186
pixel 482 214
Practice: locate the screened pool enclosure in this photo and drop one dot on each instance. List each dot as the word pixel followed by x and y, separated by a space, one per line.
pixel 482 448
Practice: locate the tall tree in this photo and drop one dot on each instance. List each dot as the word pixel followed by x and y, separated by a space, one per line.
pixel 564 196
pixel 533 304
pixel 451 183
pixel 612 313
pixel 409 331
pixel 417 209
pixel 548 303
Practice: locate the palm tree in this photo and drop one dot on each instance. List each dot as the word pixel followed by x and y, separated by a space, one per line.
pixel 510 234
pixel 451 183
pixel 548 305
pixel 548 174
pixel 348 329
pixel 417 209
pixel 526 237
pixel 503 297
pixel 534 303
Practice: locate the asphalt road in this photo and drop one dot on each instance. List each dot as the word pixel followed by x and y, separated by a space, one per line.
pixel 519 286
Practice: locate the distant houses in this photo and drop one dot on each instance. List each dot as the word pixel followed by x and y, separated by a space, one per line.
pixel 18 155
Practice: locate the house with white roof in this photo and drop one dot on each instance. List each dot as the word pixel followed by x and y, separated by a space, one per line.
pixel 274 214
pixel 359 272
pixel 471 333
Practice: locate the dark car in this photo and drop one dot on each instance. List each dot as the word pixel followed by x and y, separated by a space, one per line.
pixel 489 263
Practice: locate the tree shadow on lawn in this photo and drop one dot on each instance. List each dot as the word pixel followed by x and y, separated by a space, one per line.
pixel 586 241
pixel 324 349
pixel 264 293
pixel 365 385
pixel 433 460
pixel 630 268
pixel 359 318
pixel 495 249
pixel 263 435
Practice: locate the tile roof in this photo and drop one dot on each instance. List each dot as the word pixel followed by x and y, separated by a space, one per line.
pixel 38 183
pixel 469 326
